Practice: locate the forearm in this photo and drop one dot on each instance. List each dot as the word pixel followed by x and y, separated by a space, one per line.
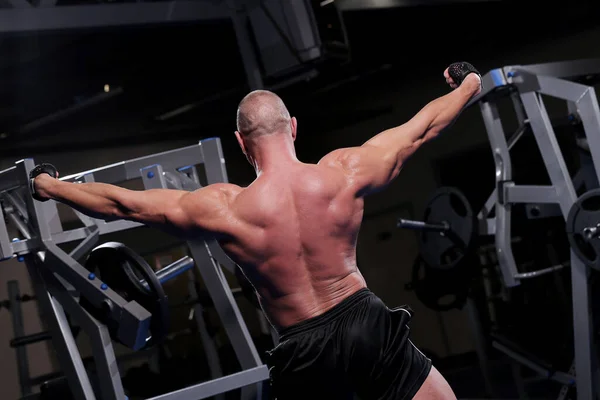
pixel 447 108
pixel 97 200
pixel 436 116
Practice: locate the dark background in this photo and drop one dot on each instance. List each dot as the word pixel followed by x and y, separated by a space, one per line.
pixel 49 79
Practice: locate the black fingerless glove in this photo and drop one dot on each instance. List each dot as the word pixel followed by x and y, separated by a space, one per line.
pixel 459 71
pixel 40 169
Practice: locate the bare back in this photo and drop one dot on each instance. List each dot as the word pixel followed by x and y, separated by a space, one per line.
pixel 294 236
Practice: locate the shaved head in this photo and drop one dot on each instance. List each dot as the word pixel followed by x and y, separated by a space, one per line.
pixel 262 112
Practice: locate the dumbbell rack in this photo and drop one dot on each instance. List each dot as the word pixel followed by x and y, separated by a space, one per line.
pixel 525 85
pixel 59 279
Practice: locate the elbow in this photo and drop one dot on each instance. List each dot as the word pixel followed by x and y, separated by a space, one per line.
pixel 406 152
pixel 433 132
pixel 118 211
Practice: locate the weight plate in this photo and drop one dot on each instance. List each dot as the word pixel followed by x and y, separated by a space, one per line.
pixel 437 289
pixel 585 213
pixel 123 270
pixel 446 250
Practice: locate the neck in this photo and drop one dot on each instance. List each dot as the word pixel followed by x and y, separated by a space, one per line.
pixel 272 152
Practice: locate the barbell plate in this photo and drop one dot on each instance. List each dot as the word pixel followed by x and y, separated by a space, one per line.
pixel 585 213
pixel 446 250
pixel 437 289
pixel 123 270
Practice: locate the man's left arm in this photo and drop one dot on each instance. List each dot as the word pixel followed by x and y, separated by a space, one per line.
pixel 179 212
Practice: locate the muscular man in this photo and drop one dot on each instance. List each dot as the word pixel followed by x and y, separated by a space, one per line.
pixel 293 231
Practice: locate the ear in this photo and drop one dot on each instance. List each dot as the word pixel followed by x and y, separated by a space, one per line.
pixel 294 124
pixel 240 141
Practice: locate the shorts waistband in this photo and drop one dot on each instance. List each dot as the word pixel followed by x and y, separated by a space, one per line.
pixel 327 317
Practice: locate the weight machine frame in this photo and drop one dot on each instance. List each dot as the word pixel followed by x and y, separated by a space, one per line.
pixel 59 278
pixel 526 84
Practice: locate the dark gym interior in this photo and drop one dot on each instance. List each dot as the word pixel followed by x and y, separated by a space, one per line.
pixel 88 84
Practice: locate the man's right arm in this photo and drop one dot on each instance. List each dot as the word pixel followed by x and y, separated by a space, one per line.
pixel 372 166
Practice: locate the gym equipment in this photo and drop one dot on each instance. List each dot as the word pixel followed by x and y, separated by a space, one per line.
pixel 40 169
pixel 438 289
pixel 21 299
pixel 448 229
pixel 247 288
pixel 128 274
pixel 583 228
pixel 525 84
pixel 61 282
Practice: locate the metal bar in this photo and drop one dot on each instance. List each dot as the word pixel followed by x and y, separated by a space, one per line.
pixel 480 346
pixel 506 260
pixel 24 340
pixel 550 151
pixel 226 307
pixel 30 245
pixel 62 337
pixel 130 169
pixel 586 175
pixel 564 390
pixel 566 69
pixel 583 336
pixel 561 180
pixel 214 161
pixel 6 248
pixel 189 176
pixel 10 179
pixel 107 370
pixel 490 81
pixel 514 138
pixel 175 269
pixel 239 18
pixel 544 271
pixel 86 244
pixel 357 5
pixel 18 204
pixel 19 224
pixel 16 312
pixel 153 177
pixel 519 112
pixel 488 206
pixel 208 343
pixel 559 377
pixel 103 229
pixel 172 270
pixel 589 113
pixel 109 15
pixel 561 88
pixel 422 226
pixel 529 194
pixel 220 385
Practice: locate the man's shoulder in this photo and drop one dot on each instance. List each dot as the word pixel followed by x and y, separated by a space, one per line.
pixel 225 189
pixel 219 192
pixel 332 159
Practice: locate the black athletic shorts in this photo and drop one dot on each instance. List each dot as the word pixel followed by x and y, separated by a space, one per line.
pixel 360 347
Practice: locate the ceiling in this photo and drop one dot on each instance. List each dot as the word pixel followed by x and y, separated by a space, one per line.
pixel 52 82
